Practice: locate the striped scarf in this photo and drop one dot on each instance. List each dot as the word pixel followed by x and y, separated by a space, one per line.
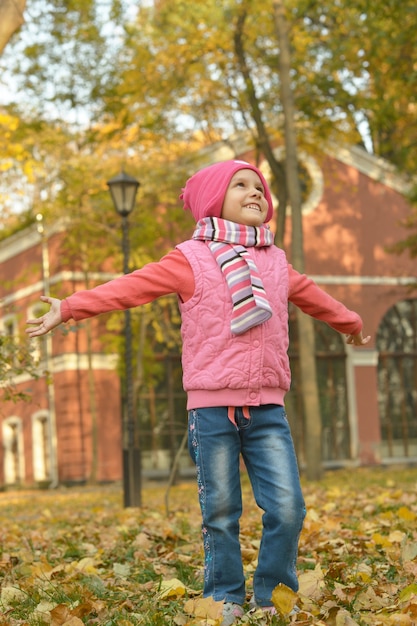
pixel 228 242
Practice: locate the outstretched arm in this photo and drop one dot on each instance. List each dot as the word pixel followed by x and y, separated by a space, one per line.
pixel 45 323
pixel 311 299
pixel 172 274
pixel 358 340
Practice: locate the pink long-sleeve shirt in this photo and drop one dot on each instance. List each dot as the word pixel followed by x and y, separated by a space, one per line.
pixel 173 274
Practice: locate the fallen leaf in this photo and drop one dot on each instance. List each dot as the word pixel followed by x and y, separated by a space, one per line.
pixel 311 583
pixel 284 599
pixel 59 615
pixel 344 619
pixel 406 514
pixel 400 619
pixel 121 569
pixel 409 551
pixel 143 541
pixel 381 540
pixel 204 607
pixel 369 599
pixel 396 536
pixel 171 588
pixel 10 595
pixel 408 592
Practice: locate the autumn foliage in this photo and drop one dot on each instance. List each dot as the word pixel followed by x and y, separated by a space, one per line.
pixel 76 556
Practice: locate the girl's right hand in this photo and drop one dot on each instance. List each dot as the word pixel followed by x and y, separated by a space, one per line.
pixel 45 323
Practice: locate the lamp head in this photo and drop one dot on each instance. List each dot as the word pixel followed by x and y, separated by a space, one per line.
pixel 123 189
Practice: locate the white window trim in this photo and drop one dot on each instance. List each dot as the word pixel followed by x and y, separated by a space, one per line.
pixel 9 479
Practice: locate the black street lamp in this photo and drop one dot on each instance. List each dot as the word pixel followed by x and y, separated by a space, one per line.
pixel 123 189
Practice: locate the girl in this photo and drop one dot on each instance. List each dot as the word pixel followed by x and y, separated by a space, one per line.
pixel 233 286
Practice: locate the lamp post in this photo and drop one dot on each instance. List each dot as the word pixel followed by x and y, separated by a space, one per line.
pixel 123 189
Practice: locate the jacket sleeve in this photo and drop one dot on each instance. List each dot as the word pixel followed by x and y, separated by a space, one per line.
pixel 172 274
pixel 311 299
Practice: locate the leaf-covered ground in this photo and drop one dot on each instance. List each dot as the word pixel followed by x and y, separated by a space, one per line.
pixel 76 556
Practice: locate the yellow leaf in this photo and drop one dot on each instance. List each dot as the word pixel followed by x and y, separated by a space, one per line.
pixel 8 121
pixel 313 515
pixel 406 514
pixel 6 164
pixel 204 607
pixel 171 588
pixel 408 592
pixel 396 536
pixel 380 540
pixel 284 599
pixel 329 507
pixel 386 517
pixel 364 572
pixel 87 565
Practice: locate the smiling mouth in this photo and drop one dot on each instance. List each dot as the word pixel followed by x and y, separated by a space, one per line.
pixel 254 207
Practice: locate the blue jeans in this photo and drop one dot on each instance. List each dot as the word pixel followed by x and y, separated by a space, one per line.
pixel 266 445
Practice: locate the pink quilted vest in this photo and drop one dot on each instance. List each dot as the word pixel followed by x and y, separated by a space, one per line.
pixel 222 369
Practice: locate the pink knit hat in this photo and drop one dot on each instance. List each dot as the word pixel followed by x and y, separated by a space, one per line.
pixel 204 192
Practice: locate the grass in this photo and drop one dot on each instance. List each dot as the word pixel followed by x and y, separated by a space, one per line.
pixel 76 556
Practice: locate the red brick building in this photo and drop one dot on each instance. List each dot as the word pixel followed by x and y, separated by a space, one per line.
pixel 76 406
pixel 368 396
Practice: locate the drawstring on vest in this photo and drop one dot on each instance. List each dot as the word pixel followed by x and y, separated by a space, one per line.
pixel 231 413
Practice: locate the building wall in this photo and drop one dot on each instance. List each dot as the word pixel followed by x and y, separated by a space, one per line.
pixel 347 236
pixel 353 214
pixel 77 400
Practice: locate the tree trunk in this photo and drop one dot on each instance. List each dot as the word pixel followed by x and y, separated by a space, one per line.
pixel 279 186
pixel 305 323
pixel 11 18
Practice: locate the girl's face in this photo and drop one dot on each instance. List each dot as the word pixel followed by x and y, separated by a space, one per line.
pixel 245 202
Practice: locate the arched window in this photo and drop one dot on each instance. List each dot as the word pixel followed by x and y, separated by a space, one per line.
pixel 13 459
pixel 396 343
pixel 332 387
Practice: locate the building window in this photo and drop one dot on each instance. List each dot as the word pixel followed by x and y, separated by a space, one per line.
pixel 9 330
pixel 41 441
pixel 13 458
pixel 396 343
pixel 332 387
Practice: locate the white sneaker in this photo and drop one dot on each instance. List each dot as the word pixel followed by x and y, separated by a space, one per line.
pixel 231 613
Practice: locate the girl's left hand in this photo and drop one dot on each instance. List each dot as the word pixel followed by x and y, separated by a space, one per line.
pixel 358 340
